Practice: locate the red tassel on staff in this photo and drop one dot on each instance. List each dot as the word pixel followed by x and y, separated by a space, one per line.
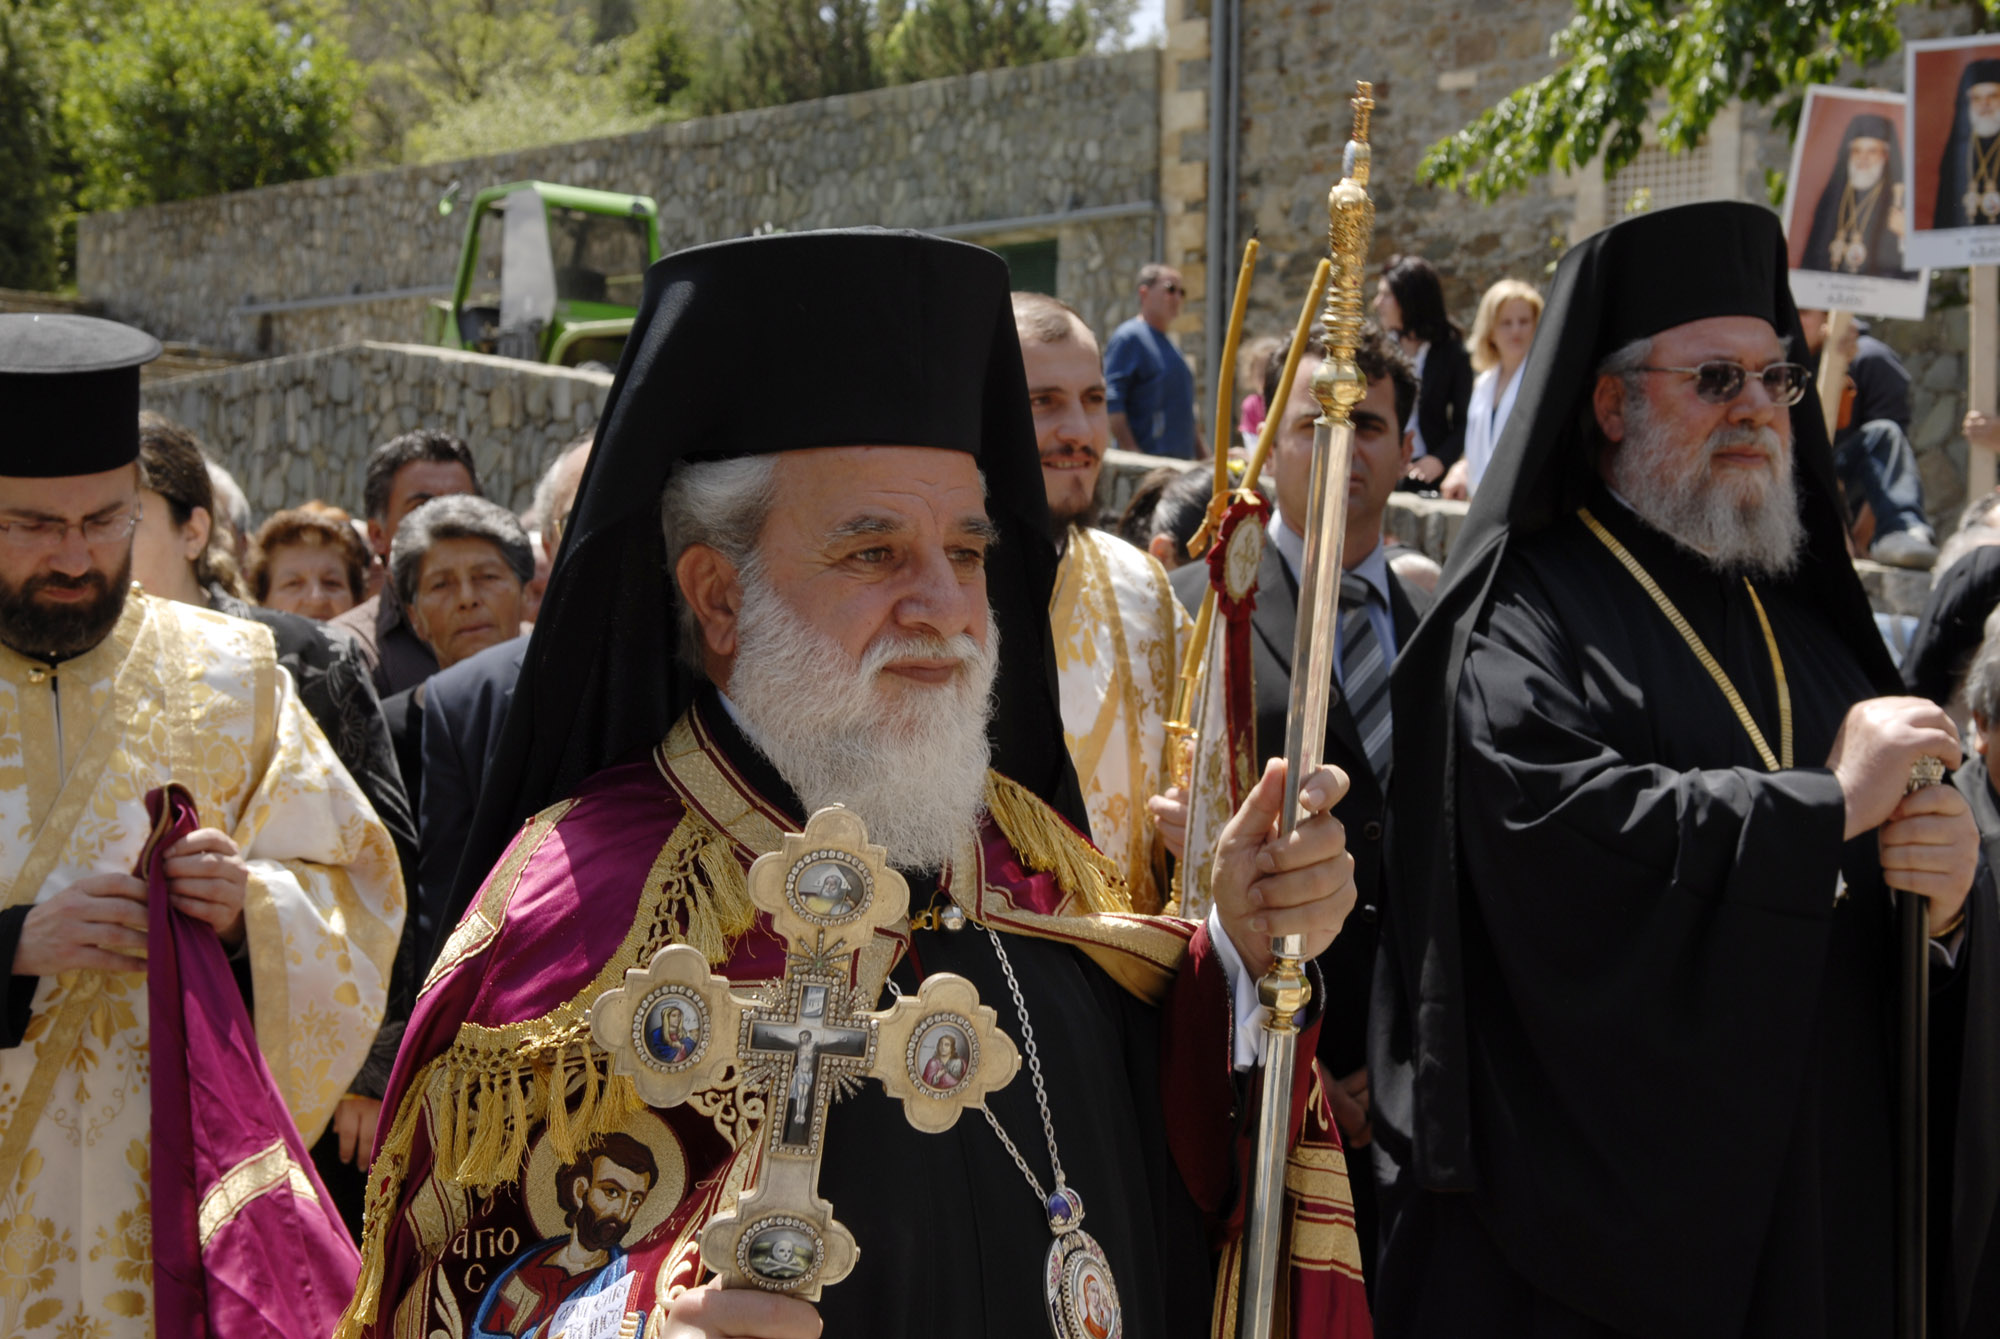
pixel 1233 562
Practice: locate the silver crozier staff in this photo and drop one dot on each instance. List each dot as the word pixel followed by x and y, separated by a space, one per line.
pixel 1283 990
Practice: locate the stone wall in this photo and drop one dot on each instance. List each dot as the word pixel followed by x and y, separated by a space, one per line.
pixel 297 428
pixel 996 156
pixel 1435 65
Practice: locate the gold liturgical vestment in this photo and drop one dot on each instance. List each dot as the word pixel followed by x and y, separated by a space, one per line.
pixel 181 694
pixel 1119 635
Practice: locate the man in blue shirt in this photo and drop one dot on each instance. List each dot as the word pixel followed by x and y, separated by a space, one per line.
pixel 1151 392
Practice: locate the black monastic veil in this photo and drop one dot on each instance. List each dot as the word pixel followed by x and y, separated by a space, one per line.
pixel 813 346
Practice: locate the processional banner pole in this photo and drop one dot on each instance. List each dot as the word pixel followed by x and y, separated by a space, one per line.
pixel 1284 990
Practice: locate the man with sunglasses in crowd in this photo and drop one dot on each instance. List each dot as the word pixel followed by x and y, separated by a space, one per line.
pixel 1632 1062
pixel 1150 390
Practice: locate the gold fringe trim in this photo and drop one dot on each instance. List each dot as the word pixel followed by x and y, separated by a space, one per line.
pixel 1047 844
pixel 493 1085
pixel 715 922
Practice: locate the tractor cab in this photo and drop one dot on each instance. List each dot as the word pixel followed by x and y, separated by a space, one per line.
pixel 550 274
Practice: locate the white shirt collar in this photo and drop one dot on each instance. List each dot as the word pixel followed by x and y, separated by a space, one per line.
pixel 1291 546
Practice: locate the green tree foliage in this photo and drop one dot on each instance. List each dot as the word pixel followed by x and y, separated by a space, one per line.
pixel 1618 57
pixel 427 60
pixel 29 193
pixel 756 53
pixel 933 38
pixel 457 78
pixel 792 50
pixel 180 100
pixel 662 64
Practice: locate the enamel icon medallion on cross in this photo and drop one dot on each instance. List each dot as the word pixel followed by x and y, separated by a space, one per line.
pixel 805 1040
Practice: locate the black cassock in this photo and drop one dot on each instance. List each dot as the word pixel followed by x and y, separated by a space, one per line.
pixel 1682 1080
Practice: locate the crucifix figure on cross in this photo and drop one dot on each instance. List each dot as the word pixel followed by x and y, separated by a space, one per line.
pixel 806 1040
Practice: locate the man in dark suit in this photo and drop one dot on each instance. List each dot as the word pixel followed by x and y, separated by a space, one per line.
pixel 1358 725
pixel 463 710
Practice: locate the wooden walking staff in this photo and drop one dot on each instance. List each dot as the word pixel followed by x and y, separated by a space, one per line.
pixel 1284 990
pixel 1913 947
pixel 1832 372
pixel 1983 364
pixel 1913 1154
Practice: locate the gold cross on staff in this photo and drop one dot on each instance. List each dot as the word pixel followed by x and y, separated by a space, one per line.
pixel 806 1040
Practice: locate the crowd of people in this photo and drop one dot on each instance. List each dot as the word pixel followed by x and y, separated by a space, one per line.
pixel 1613 812
pixel 1468 384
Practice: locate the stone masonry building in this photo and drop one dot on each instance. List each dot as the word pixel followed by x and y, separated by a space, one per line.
pixel 1078 171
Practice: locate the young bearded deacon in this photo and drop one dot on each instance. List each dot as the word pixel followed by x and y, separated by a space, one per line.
pixel 126 1088
pixel 1119 631
pixel 1633 1054
pixel 848 605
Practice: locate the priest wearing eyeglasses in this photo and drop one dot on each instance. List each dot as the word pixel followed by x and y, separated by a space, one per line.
pixel 153 1133
pixel 1632 1054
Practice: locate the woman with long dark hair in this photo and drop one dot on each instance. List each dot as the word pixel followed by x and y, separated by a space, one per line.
pixel 1409 302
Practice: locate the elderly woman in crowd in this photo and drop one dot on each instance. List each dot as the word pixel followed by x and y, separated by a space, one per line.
pixel 1501 334
pixel 309 561
pixel 459 565
pixel 179 554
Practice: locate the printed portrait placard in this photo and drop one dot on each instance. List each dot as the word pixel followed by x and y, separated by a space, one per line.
pixel 1951 142
pixel 1847 207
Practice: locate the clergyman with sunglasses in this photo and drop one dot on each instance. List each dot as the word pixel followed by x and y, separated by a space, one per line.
pixel 129 949
pixel 1632 1044
pixel 1149 390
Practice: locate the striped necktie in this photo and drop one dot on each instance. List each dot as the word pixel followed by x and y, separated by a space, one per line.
pixel 1364 674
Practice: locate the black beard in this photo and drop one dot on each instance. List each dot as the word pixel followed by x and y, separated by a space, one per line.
pixel 595 1233
pixel 61 631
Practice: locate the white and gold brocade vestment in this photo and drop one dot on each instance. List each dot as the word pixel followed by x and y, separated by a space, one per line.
pixel 1119 635
pixel 181 694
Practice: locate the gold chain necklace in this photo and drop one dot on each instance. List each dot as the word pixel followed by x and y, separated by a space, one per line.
pixel 1772 762
pixel 1850 245
pixel 1982 167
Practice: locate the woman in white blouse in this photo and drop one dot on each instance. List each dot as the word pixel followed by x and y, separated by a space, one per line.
pixel 1501 334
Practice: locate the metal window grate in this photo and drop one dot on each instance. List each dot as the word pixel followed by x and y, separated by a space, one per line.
pixel 1657 179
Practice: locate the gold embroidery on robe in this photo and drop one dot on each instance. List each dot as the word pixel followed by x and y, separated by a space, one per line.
pixel 1119 633
pixel 173 693
pixel 489 1096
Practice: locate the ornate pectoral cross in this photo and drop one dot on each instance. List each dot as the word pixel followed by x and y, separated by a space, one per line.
pixel 805 1040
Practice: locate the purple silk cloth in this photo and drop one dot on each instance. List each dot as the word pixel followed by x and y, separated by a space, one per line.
pixel 277 1260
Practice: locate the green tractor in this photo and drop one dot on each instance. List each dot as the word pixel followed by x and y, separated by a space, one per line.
pixel 550 274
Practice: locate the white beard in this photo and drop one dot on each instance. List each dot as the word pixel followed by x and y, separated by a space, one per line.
pixel 910 759
pixel 1734 524
pixel 1985 127
pixel 1864 179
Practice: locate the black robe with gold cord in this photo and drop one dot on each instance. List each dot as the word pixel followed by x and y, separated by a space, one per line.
pixel 1683 1067
pixel 1632 1051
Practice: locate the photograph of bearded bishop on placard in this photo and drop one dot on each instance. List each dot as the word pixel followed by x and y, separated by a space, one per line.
pixel 1847 206
pixel 1952 146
